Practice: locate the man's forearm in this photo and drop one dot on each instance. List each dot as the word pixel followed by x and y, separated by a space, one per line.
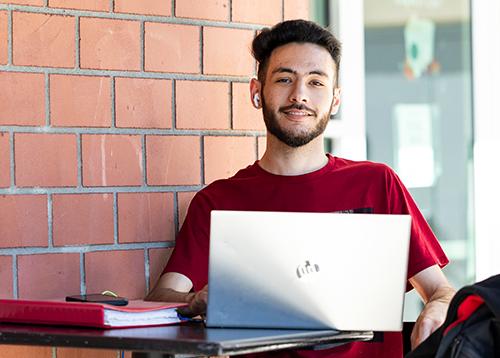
pixel 168 295
pixel 443 294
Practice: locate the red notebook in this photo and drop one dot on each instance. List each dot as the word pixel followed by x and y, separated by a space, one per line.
pixel 57 312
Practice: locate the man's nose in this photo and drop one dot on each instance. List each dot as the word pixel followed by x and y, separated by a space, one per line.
pixel 298 94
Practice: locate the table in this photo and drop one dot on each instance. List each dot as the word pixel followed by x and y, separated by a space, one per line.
pixel 189 339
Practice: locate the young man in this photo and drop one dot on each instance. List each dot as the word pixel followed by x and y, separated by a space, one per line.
pixel 297 90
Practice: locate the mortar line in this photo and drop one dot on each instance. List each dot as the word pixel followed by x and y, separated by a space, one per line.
pixel 79 161
pixel 202 160
pixel 47 99
pixel 176 213
pixel 174 105
pixel 50 221
pixel 231 102
pixel 143 46
pixel 113 101
pixel 83 284
pixel 12 165
pixel 115 218
pixel 77 42
pixel 131 131
pixel 146 269
pixel 84 248
pixel 144 161
pixel 15 281
pixel 121 73
pixel 202 29
pixel 9 37
pixel 133 17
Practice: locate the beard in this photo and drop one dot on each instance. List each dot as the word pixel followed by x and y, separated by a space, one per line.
pixel 293 138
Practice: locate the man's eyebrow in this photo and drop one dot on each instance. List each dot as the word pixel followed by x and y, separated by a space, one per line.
pixel 289 70
pixel 319 73
pixel 283 69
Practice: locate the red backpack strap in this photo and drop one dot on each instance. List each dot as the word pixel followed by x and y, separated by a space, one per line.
pixel 467 307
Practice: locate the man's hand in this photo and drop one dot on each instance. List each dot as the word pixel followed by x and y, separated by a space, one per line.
pixel 436 292
pixel 197 303
pixel 432 316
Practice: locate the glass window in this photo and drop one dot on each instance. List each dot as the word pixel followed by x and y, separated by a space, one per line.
pixel 419 115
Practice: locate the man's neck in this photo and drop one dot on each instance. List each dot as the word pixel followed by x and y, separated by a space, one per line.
pixel 281 159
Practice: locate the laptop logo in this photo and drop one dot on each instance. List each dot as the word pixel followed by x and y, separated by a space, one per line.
pixel 306 269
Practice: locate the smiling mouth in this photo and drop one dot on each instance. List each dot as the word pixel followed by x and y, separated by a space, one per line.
pixel 295 112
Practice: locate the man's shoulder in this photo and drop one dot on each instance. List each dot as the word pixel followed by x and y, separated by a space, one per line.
pixel 241 177
pixel 363 166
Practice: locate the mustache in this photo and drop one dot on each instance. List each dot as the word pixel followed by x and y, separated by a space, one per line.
pixel 297 106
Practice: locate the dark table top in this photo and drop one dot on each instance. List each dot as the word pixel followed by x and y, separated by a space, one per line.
pixel 185 339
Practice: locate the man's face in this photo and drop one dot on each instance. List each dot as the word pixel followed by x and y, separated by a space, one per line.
pixel 298 94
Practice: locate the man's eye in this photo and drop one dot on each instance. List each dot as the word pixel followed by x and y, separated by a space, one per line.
pixel 283 80
pixel 317 83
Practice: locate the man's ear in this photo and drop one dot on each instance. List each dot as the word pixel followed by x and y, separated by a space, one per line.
pixel 336 100
pixel 255 93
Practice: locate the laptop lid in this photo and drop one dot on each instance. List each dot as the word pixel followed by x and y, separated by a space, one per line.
pixel 307 270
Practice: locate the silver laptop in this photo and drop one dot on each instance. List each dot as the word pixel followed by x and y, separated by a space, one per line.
pixel 307 270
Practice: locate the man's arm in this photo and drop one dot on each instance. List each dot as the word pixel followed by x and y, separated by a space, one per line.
pixel 175 287
pixel 436 292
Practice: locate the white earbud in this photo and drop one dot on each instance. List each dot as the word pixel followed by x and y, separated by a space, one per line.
pixel 256 100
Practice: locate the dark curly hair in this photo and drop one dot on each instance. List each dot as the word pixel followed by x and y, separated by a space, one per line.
pixel 301 31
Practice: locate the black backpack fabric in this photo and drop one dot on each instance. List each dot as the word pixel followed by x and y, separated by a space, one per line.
pixel 477 336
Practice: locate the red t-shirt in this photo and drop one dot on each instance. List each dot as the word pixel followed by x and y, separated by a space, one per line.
pixel 340 186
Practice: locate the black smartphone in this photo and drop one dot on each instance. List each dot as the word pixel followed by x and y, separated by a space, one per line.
pixel 98 298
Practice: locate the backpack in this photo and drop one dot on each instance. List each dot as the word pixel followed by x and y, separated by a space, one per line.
pixel 472 325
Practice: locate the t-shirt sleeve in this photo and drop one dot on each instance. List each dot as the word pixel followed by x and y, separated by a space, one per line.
pixel 425 250
pixel 190 255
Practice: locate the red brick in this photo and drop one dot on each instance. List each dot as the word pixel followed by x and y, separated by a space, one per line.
pixel 210 110
pixel 23 99
pixel 23 220
pixel 6 277
pixel 183 200
pixel 227 51
pixel 24 2
pixel 172 48
pixel 119 271
pixel 145 217
pixel 13 351
pixel 261 146
pixel 93 5
pixel 80 101
pixel 82 219
pixel 4 48
pixel 145 7
pixel 45 159
pixel 257 11
pixel 173 160
pixel 4 160
pixel 157 260
pixel 224 156
pixel 110 160
pixel 65 352
pixel 203 9
pixel 110 44
pixel 245 116
pixel 46 276
pixel 296 9
pixel 43 40
pixel 143 103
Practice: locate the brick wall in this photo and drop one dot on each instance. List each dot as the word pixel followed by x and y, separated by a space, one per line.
pixel 112 115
